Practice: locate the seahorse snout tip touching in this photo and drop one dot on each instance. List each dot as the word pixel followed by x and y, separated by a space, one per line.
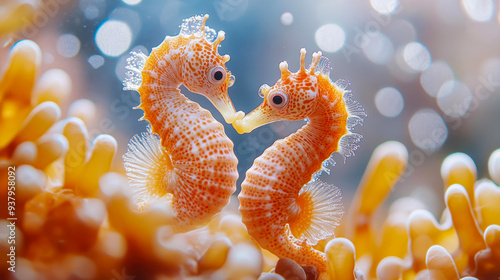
pixel 248 123
pixel 258 117
pixel 236 116
pixel 226 109
pixel 238 126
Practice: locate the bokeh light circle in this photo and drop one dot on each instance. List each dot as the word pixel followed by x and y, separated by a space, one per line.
pixel 378 48
pixel 131 2
pixel 286 18
pixel 330 37
pixel 384 7
pixel 113 37
pixel 454 98
pixel 68 45
pixel 490 68
pixel 479 10
pixel 427 130
pixel 96 61
pixel 435 76
pixel 389 102
pixel 416 56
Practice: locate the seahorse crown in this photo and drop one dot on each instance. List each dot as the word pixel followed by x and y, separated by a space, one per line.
pixel 315 67
pixel 193 28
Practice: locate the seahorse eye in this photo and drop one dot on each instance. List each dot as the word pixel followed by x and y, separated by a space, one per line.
pixel 217 75
pixel 278 99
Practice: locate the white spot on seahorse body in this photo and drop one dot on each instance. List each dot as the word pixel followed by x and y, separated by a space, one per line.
pixel 195 150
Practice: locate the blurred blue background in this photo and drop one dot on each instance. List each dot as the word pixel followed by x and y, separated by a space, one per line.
pixel 426 72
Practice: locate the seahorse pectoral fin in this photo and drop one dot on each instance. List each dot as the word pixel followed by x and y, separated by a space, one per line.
pixel 146 163
pixel 320 212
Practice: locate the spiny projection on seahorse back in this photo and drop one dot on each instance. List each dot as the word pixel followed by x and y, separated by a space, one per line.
pixel 283 204
pixel 186 159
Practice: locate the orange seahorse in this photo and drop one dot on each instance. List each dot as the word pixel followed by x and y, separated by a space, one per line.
pixel 190 164
pixel 286 209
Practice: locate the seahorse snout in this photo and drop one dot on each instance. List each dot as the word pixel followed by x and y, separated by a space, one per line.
pixel 226 108
pixel 251 121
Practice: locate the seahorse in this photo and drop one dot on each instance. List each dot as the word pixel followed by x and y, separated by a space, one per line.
pixel 185 159
pixel 284 206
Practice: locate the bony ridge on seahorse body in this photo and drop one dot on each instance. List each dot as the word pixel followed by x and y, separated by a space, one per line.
pixel 286 209
pixel 190 163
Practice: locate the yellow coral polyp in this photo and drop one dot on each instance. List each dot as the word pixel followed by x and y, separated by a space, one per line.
pixel 440 264
pixel 14 13
pixel 18 79
pixel 487 196
pixel 384 170
pixel 54 85
pixel 341 258
pixel 424 231
pixel 469 236
pixel 459 168
pixel 494 166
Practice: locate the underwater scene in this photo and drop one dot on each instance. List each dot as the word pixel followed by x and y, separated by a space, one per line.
pixel 236 139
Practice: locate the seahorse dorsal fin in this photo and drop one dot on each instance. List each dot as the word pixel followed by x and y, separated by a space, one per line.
pixel 135 64
pixel 195 27
pixel 323 67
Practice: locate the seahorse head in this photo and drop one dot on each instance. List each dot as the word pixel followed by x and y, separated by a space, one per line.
pixel 203 68
pixel 293 97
